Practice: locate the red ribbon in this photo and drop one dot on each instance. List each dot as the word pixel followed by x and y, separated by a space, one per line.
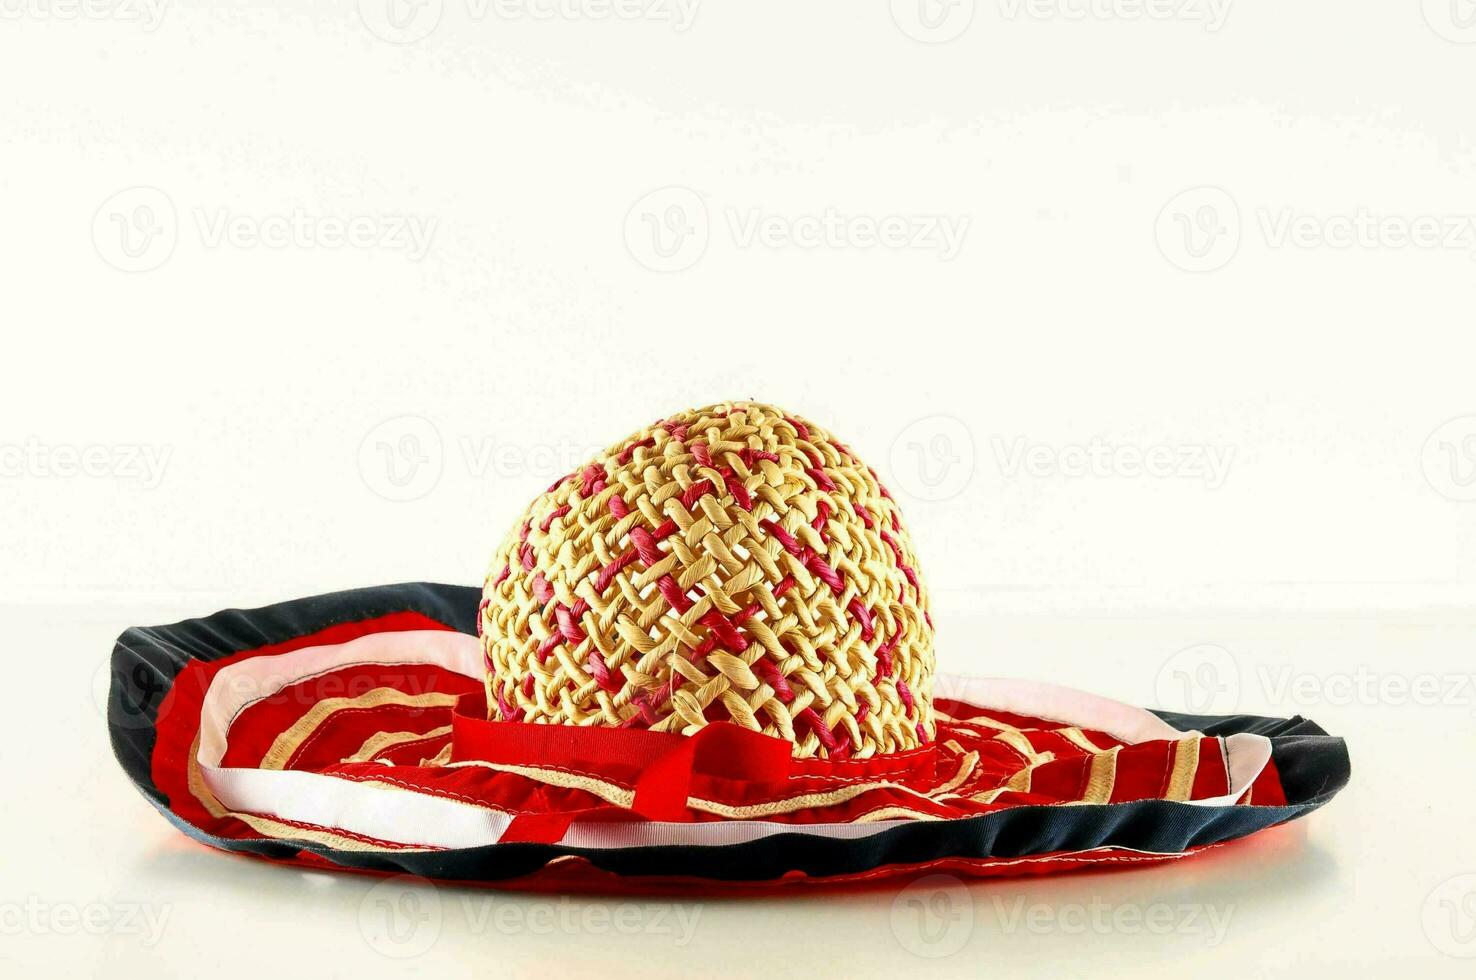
pixel 660 764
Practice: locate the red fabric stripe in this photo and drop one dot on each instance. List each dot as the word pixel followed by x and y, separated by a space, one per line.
pixel 179 712
pixel 257 726
pixel 661 764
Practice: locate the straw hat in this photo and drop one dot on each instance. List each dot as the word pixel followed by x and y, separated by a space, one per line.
pixel 704 657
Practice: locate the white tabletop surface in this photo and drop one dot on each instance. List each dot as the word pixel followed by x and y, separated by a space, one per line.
pixel 95 881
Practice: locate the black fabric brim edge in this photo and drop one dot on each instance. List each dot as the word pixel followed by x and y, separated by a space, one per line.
pixel 1313 766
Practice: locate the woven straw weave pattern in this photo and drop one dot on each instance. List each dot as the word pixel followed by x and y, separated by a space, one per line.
pixel 728 563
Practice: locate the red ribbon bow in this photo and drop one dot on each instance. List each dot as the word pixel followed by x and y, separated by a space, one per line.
pixel 660 764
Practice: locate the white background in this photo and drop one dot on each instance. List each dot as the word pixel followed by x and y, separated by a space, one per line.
pixel 1234 230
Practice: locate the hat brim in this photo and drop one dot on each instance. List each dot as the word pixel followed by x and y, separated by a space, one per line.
pixel 319 732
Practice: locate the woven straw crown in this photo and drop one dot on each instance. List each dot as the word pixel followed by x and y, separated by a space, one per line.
pixel 730 563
